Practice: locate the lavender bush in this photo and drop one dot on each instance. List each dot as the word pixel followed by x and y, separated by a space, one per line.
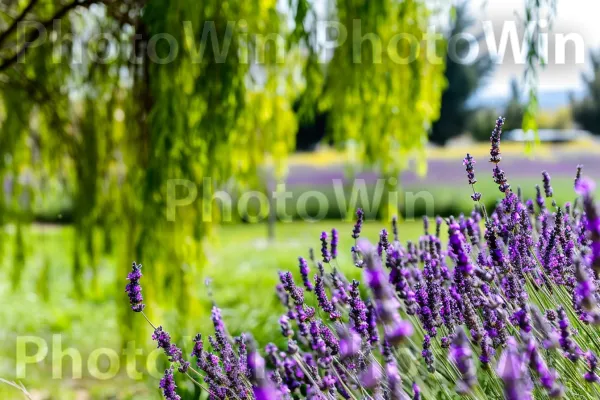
pixel 507 309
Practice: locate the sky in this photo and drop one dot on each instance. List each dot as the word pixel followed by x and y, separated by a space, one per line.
pixel 579 17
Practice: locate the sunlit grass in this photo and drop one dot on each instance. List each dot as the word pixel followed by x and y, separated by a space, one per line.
pixel 242 265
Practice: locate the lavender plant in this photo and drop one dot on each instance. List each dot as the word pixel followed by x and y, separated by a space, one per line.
pixel 508 309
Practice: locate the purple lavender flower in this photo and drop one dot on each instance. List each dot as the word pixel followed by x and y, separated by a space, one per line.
pixel 384 243
pixel 162 338
pixel 460 354
pixel 395 228
pixel 438 226
pixel 585 289
pixel 167 384
pixel 500 179
pixel 371 376
pixel 302 312
pixel 445 342
pixel 539 200
pixel 198 346
pixel 521 319
pixel 399 332
pixel 394 380
pixel 324 302
pixel 324 248
pixel 486 295
pixel 305 271
pixel 133 288
pixel 537 364
pixel 350 342
pixel 334 243
pixel 372 323
pixel 568 345
pixel 457 245
pixel 487 351
pixel 495 141
pixel 416 391
pixel 547 188
pixel 592 364
pixel 577 175
pixel 585 188
pixel 427 354
pixel 358 225
pixel 262 388
pixel 358 310
pixel 511 369
pixel 332 342
pixel 469 163
pixel 290 287
pixel 548 334
pixel 286 327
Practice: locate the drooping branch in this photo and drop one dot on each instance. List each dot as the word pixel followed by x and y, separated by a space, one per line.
pixel 46 24
pixel 15 23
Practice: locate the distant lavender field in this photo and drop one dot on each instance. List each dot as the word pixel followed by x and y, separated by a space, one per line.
pixel 452 172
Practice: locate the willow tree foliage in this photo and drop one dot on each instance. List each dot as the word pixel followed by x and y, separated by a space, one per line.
pixel 536 11
pixel 382 87
pixel 197 90
pixel 212 115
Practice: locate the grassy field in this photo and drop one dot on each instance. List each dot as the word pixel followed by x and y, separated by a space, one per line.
pixel 242 265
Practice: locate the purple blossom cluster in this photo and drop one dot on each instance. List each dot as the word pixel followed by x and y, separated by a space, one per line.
pixel 133 288
pixel 469 163
pixel 467 307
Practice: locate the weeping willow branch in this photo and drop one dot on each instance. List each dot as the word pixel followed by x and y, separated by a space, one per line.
pixel 15 23
pixel 534 13
pixel 33 34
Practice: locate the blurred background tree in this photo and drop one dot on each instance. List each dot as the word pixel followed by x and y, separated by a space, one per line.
pixel 515 109
pixel 191 90
pixel 586 112
pixel 463 81
pixel 106 123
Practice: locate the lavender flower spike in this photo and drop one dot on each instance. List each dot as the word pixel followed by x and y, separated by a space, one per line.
pixel 469 163
pixel 416 391
pixel 460 354
pixel 495 141
pixel 133 288
pixel 358 225
pixel 577 175
pixel 547 188
pixel 167 384
pixel 334 243
pixel 304 271
pixel 324 250
pixel 592 364
pixel 500 179
pixel 163 340
pixel 262 388
pixel 511 369
pixel 585 188
pixel 571 349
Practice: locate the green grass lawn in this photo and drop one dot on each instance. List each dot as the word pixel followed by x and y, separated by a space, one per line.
pixel 242 265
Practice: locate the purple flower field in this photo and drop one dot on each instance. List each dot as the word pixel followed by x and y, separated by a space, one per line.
pixel 507 307
pixel 562 165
